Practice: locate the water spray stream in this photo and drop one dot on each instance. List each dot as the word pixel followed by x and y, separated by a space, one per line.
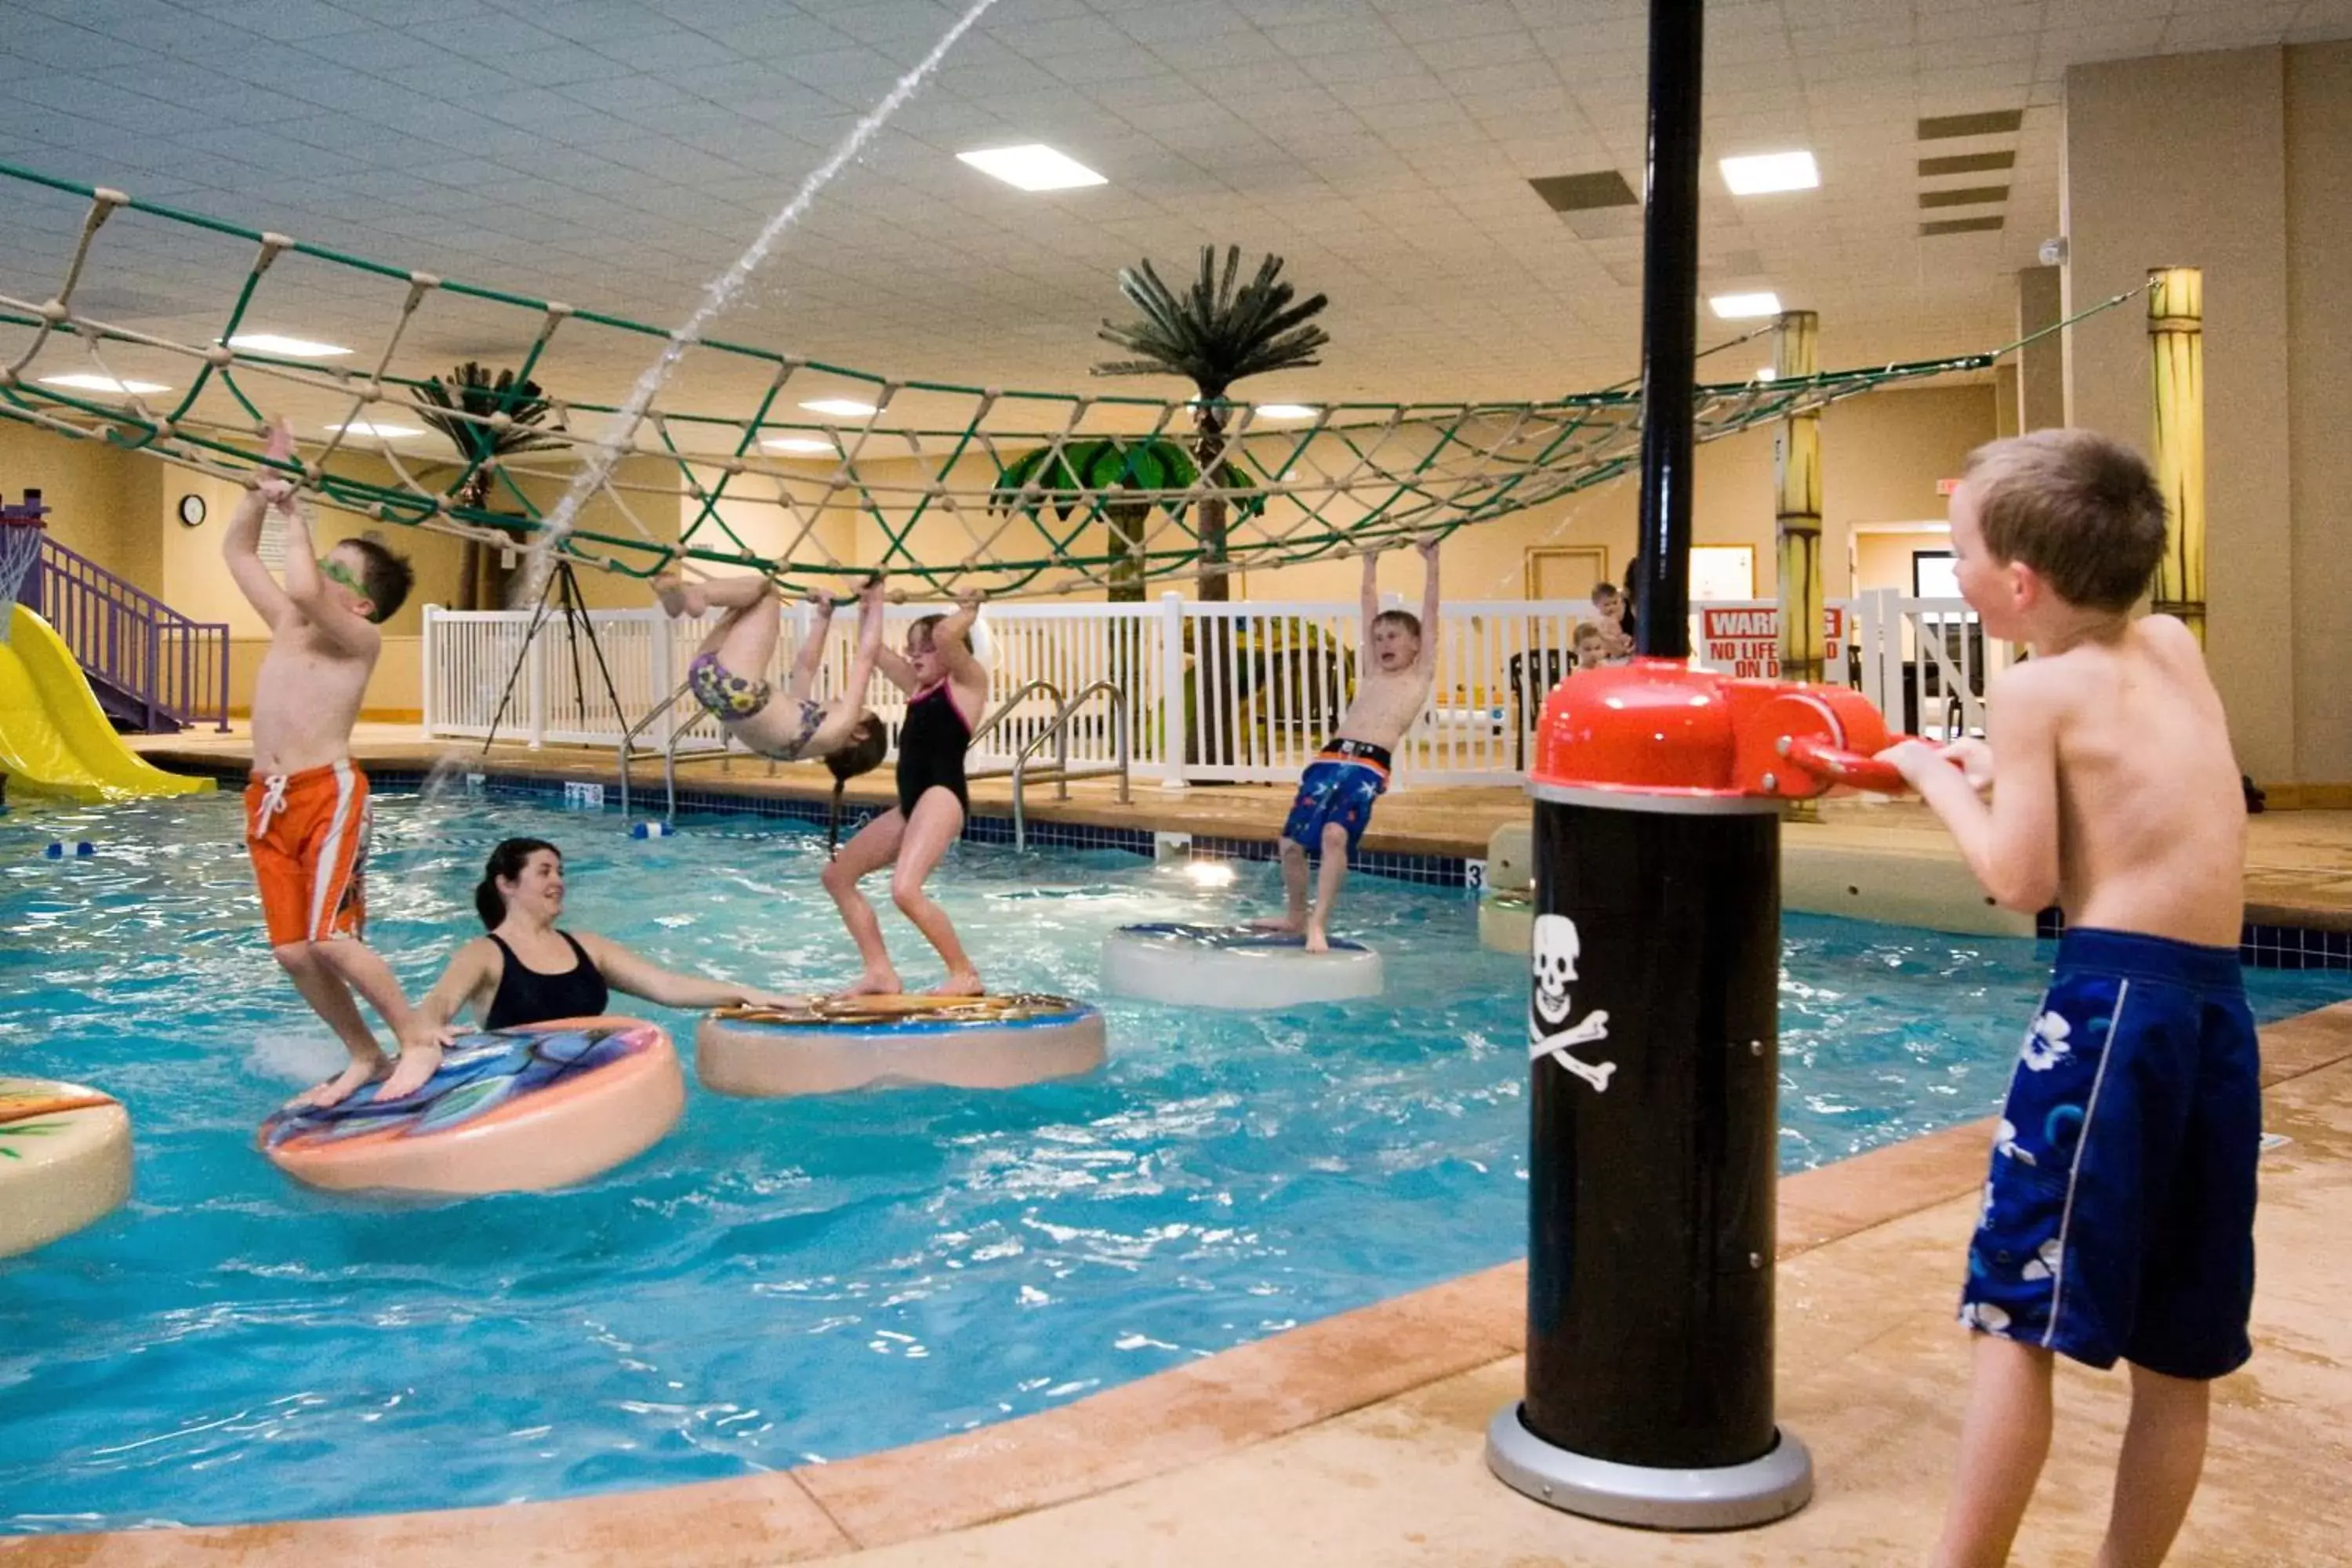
pixel 717 296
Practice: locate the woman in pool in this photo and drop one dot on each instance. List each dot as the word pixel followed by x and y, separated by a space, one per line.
pixel 946 690
pixel 526 971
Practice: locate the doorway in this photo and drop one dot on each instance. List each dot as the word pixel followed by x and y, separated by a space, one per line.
pixel 1566 571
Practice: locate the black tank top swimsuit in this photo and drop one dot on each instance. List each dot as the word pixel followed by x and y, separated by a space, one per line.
pixel 528 995
pixel 931 741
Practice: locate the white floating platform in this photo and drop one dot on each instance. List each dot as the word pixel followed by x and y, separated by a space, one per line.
pixel 1235 967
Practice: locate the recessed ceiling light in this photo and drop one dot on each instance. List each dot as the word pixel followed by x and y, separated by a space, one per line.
pixel 86 382
pixel 1744 307
pixel 291 348
pixel 1032 168
pixel 841 407
pixel 795 444
pixel 1768 172
pixel 381 432
pixel 1285 411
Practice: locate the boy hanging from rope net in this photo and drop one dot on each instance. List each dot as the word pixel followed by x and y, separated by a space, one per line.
pixel 1395 671
pixel 307 812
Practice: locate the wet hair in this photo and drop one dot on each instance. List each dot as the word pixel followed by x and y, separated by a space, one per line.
pixel 385 578
pixel 1405 618
pixel 863 755
pixel 2079 508
pixel 506 861
pixel 929 625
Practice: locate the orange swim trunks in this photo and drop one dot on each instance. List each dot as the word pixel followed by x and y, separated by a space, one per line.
pixel 308 835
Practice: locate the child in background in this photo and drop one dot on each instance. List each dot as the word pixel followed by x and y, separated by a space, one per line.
pixel 307 812
pixel 2118 1218
pixel 1609 617
pixel 947 690
pixel 729 672
pixel 1591 646
pixel 1396 668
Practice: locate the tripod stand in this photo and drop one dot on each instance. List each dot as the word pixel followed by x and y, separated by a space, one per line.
pixel 563 586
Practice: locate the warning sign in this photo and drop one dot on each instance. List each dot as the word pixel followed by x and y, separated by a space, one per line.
pixel 1747 642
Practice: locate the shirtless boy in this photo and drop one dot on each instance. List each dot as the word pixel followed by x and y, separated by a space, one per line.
pixel 2119 1219
pixel 1398 665
pixel 306 809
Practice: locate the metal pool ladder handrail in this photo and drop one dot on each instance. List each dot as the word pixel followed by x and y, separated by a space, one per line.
pixel 995 720
pixel 1058 730
pixel 669 751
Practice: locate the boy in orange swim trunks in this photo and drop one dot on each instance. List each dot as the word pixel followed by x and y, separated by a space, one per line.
pixel 306 809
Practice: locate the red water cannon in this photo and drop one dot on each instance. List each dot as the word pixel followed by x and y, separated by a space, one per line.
pixel 1657 727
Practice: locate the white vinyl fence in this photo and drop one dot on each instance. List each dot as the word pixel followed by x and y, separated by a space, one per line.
pixel 1242 692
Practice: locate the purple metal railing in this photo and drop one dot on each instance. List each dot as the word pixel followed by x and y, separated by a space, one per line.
pixel 167 669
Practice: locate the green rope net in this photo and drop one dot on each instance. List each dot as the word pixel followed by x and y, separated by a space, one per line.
pixel 1011 492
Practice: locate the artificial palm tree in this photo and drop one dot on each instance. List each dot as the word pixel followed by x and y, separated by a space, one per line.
pixel 465 408
pixel 1057 478
pixel 1214 334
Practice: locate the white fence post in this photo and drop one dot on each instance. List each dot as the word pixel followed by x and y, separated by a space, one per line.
pixel 1171 687
pixel 428 674
pixel 537 696
pixel 665 663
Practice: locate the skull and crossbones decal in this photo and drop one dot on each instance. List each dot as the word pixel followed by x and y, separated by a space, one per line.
pixel 1557 949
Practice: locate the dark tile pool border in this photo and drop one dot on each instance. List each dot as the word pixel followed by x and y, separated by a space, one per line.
pixel 2261 945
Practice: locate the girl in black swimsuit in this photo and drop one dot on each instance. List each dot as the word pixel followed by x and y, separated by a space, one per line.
pixel 528 972
pixel 946 690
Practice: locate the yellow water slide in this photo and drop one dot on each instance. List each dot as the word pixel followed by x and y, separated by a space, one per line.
pixel 54 742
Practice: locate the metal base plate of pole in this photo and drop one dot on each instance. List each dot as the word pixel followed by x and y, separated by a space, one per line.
pixel 1734 1496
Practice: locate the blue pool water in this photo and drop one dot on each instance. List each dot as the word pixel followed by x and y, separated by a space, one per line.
pixel 789 1281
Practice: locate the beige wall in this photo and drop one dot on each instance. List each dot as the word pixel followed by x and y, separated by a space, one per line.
pixel 2319 338
pixel 1884 560
pixel 2182 161
pixel 103 502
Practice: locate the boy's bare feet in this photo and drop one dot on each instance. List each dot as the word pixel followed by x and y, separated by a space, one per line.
pixel 417 1064
pixel 1318 940
pixel 338 1089
pixel 959 982
pixel 875 983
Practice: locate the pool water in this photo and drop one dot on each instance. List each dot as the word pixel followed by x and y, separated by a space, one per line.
pixel 785 1281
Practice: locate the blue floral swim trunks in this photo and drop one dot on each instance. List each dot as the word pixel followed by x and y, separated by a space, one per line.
pixel 2119 1215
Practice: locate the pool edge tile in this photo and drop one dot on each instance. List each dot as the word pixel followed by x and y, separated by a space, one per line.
pixel 744 1520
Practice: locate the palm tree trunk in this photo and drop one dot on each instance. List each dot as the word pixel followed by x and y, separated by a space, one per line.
pixel 1209 453
pixel 469 575
pixel 1125 579
pixel 1215 655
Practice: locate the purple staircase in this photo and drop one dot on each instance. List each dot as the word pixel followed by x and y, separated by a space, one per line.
pixel 154 671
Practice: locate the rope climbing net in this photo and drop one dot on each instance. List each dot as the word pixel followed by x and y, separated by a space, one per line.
pixel 1009 492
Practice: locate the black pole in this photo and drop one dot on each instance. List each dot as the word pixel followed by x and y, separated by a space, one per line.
pixel 1651 1023
pixel 1669 325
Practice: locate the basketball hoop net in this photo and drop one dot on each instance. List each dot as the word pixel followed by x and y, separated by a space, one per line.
pixel 20 548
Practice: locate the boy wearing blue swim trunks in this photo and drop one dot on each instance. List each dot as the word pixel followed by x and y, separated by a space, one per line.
pixel 2118 1218
pixel 1395 670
